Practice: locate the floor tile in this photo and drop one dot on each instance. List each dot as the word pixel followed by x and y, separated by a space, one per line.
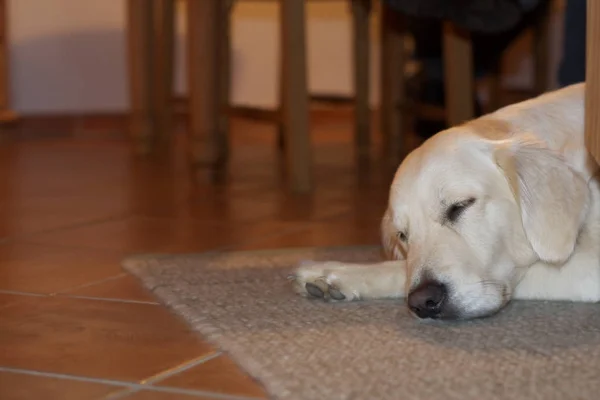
pixel 18 386
pixel 261 205
pixel 6 299
pixel 339 232
pixel 92 338
pixel 122 288
pixel 76 201
pixel 138 234
pixel 220 375
pixel 39 213
pixel 48 269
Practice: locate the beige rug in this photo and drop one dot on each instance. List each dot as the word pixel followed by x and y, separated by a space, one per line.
pixel 302 349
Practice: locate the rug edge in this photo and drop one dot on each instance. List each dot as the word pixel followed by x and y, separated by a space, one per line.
pixel 136 264
pixel 208 332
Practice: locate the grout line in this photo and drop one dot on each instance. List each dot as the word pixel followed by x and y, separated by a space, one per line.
pixel 161 376
pixel 88 284
pixel 119 394
pixel 67 246
pixel 263 239
pixel 17 292
pixel 128 385
pixel 66 376
pixel 30 238
pixel 194 392
pixel 26 237
pixel 114 300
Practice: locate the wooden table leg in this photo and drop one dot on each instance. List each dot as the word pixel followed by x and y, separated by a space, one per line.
pixel 361 11
pixel 495 87
pixel 280 123
pixel 458 75
pixel 225 10
pixel 295 105
pixel 164 59
pixel 393 88
pixel 7 115
pixel 541 50
pixel 141 73
pixel 592 79
pixel 203 82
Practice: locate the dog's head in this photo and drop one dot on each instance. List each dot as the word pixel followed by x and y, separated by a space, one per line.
pixel 471 214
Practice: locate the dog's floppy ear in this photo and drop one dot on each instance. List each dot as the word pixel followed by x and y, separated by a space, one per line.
pixel 389 238
pixel 552 197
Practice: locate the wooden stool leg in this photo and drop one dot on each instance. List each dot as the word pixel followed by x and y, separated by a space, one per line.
pixel 393 88
pixel 592 79
pixel 495 87
pixel 280 123
pixel 203 71
pixel 7 115
pixel 541 50
pixel 225 10
pixel 295 105
pixel 458 75
pixel 141 73
pixel 361 10
pixel 282 85
pixel 164 59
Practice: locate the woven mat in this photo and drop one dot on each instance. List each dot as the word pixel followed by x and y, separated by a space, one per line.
pixel 302 349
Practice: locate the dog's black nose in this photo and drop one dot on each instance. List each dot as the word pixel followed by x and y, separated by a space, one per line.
pixel 427 300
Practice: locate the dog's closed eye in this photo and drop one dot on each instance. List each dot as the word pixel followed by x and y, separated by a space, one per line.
pixel 454 212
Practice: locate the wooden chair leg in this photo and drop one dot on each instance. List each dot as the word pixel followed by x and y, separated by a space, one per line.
pixel 458 75
pixel 203 71
pixel 226 7
pixel 361 11
pixel 592 79
pixel 541 50
pixel 164 59
pixel 281 145
pixel 141 73
pixel 295 105
pixel 393 87
pixel 7 115
pixel 282 85
pixel 495 87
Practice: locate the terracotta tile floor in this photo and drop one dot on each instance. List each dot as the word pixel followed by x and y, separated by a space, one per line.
pixel 73 325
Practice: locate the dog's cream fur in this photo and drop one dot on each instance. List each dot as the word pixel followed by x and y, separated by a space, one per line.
pixel 533 231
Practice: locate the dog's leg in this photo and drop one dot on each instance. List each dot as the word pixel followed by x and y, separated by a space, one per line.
pixel 348 282
pixel 578 280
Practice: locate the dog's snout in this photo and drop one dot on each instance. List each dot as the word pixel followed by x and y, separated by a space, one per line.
pixel 428 299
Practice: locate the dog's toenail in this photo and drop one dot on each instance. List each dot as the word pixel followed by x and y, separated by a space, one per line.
pixel 336 294
pixel 314 290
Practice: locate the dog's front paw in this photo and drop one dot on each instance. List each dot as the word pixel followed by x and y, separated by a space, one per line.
pixel 322 280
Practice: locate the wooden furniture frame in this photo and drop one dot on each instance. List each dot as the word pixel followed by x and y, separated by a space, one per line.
pixel 150 26
pixel 151 32
pixel 7 115
pixel 592 78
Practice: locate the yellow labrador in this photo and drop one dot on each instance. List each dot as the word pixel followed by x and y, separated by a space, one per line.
pixel 505 206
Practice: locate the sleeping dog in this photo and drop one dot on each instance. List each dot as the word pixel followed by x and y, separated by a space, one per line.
pixel 506 206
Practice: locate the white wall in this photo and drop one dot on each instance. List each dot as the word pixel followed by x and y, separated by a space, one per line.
pixel 69 55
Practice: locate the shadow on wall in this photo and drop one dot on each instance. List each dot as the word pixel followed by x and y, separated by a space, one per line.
pixel 81 72
pixel 84 73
